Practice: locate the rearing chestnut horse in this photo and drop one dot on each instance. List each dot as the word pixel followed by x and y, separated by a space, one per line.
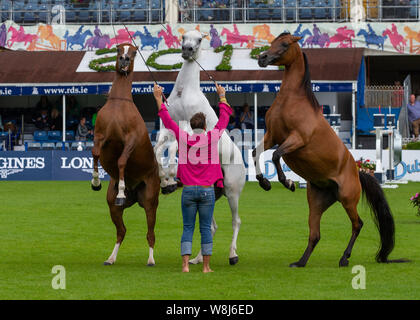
pixel 122 145
pixel 312 149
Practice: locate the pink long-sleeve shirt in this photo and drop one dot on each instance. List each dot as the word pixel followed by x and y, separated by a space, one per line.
pixel 198 162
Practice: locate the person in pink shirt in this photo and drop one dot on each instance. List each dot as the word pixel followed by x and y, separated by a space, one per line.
pixel 198 169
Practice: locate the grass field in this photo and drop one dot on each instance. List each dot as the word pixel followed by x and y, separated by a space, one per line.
pixel 65 223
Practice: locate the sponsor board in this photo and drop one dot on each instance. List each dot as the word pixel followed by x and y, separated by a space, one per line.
pixel 407 170
pixel 48 165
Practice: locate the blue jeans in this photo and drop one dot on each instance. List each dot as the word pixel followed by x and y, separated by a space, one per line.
pixel 196 198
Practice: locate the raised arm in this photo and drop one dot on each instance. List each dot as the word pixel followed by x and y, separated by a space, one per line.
pixel 163 112
pixel 225 112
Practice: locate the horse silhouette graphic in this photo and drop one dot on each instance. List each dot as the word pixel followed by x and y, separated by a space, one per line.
pixel 78 38
pixel 303 34
pixel 234 36
pixel 147 40
pixel 3 35
pixel 371 38
pixel 98 41
pixel 215 38
pixel 317 39
pixel 343 37
pixel 171 41
pixel 397 40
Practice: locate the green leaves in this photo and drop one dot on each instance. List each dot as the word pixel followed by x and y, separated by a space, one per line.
pixel 97 63
pixel 227 56
pixel 151 61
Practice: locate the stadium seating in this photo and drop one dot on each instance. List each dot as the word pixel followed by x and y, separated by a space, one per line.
pixel 156 10
pixel 305 13
pixel 59 146
pixel 4 7
pixel 40 136
pixel 278 9
pixel 55 136
pixel 140 13
pixel 47 145
pixel 69 135
pixel 320 11
pixel 290 6
pixel 33 146
pixel 414 10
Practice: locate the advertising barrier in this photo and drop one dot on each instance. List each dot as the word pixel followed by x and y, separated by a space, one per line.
pixel 78 165
pixel 407 170
pixel 48 165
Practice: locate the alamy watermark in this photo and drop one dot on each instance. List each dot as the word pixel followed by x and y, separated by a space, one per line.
pixel 59 280
pixel 359 280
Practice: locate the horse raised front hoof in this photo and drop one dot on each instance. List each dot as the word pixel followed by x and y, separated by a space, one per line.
pixel 96 188
pixel 233 260
pixel 264 183
pixel 344 262
pixel 296 265
pixel 119 202
pixel 169 189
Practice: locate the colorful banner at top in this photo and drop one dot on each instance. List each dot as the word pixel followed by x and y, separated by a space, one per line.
pixel 391 37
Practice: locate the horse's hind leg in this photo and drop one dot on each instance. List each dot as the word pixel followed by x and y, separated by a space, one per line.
pixel 319 200
pixel 122 162
pixel 349 202
pixel 96 182
pixel 117 218
pixel 148 198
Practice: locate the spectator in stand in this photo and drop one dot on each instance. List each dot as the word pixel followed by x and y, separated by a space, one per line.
pixel 413 108
pixel 83 133
pixel 44 103
pixel 41 120
pixel 56 121
pixel 247 118
pixel 1 124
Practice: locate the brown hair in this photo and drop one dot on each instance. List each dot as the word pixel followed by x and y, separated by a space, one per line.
pixel 198 121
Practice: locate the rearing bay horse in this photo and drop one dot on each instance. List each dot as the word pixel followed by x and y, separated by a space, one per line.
pixel 123 147
pixel 312 149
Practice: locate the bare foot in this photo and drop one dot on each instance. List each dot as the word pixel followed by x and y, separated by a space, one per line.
pixel 207 270
pixel 185 268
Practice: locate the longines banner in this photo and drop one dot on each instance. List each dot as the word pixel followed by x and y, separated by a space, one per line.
pixel 407 170
pixel 48 165
pixel 78 165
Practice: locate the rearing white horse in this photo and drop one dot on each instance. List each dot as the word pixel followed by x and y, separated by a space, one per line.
pixel 185 100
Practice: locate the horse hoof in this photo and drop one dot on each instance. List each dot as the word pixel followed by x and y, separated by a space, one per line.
pixel 119 202
pixel 292 186
pixel 97 188
pixel 150 264
pixel 233 261
pixel 108 263
pixel 169 189
pixel 343 262
pixel 296 265
pixel 264 183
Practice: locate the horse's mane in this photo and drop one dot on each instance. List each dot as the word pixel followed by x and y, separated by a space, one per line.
pixel 306 83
